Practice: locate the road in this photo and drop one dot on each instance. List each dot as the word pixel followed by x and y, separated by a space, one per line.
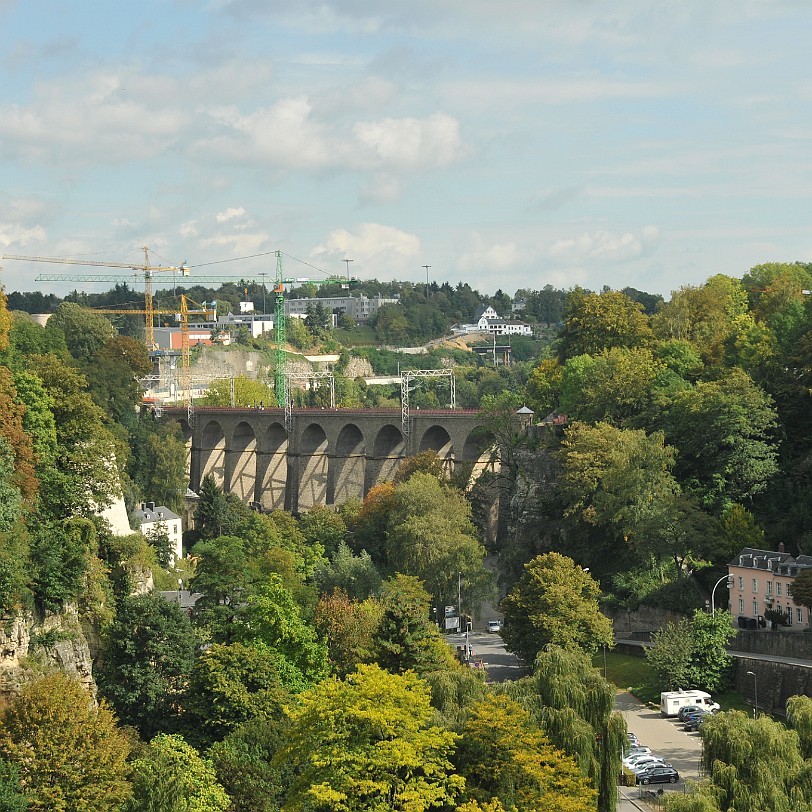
pixel 500 666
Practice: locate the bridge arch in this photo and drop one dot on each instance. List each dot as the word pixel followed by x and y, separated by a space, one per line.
pixel 347 466
pixel 272 468
pixel 313 467
pixel 241 462
pixel 388 451
pixel 437 439
pixel 213 452
pixel 479 453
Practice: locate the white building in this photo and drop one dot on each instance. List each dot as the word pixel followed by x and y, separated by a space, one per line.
pixel 489 321
pixel 151 517
pixel 359 308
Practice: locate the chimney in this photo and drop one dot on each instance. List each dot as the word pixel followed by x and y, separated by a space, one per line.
pixel 151 506
pixel 780 546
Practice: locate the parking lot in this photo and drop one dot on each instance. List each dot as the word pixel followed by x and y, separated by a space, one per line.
pixel 665 737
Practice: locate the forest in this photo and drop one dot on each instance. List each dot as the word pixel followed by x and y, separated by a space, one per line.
pixel 311 674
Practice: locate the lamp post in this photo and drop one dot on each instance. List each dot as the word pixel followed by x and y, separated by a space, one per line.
pixel 713 593
pixel 263 275
pixel 755 693
pixel 427 279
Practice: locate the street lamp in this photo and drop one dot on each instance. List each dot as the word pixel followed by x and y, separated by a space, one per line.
pixel 713 593
pixel 755 693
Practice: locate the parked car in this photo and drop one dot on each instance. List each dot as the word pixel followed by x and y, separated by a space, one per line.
pixel 648 762
pixel 638 750
pixel 632 758
pixel 683 712
pixel 495 626
pixel 632 739
pixel 659 774
pixel 695 722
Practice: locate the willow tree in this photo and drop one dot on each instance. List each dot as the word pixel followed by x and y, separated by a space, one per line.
pixel 575 706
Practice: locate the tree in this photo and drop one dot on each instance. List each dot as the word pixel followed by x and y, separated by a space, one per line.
pixel 349 627
pixel 247 392
pixel 232 684
pixel 554 603
pixel 802 589
pixel 574 705
pixel 614 386
pixel 725 433
pixel 148 659
pixel 504 755
pixel 158 464
pixel 355 575
pixel 172 777
pixel 595 322
pixel 69 752
pixel 430 535
pixel 367 743
pixel 85 332
pixel 271 617
pixel 15 439
pixel 616 479
pixel 243 763
pixel 322 526
pixel 406 639
pixel 12 798
pixel 693 653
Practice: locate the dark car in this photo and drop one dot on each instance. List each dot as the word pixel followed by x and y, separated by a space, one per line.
pixel 658 774
pixel 686 709
pixel 695 722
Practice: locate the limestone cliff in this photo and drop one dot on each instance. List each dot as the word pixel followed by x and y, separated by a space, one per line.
pixel 31 646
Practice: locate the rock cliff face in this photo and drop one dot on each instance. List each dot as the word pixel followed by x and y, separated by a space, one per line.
pixel 30 646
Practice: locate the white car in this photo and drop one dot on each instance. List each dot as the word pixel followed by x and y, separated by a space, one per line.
pixel 640 758
pixel 642 766
pixel 637 750
pixel 495 626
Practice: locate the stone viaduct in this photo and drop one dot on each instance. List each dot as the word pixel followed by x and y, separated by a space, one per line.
pixel 327 456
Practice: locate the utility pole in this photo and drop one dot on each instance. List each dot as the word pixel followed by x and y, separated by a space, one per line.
pixel 348 261
pixel 427 279
pixel 263 275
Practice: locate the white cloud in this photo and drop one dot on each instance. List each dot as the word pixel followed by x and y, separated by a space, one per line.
pixel 16 234
pixel 603 246
pixel 409 143
pixel 490 259
pixel 229 214
pixel 382 188
pixel 376 250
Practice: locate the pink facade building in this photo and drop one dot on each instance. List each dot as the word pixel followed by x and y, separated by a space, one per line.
pixel 762 580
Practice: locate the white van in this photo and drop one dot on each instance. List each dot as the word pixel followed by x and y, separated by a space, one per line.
pixel 672 701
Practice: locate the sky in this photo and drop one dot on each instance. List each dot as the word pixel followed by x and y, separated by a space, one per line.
pixel 507 145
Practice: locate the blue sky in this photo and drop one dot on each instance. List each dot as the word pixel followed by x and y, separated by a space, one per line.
pixel 507 145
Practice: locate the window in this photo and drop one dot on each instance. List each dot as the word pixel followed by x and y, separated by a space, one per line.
pixel 800 614
pixel 755 608
pixel 741 606
pixel 755 585
pixel 769 587
pixel 778 586
pixel 741 582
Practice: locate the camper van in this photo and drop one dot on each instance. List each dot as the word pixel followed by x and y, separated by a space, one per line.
pixel 672 701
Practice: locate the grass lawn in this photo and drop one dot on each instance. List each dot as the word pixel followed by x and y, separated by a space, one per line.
pixel 629 673
pixel 634 674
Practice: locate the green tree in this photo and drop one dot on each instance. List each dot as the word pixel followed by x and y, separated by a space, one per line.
pixel 12 798
pixel 271 617
pixel 85 332
pixel 725 432
pixel 406 639
pixel 504 754
pixel 554 603
pixel 574 705
pixel 802 589
pixel 243 762
pixel 148 658
pixel 366 743
pixel 323 526
pixel 247 392
pixel 614 386
pixel 354 574
pixel 430 535
pixel 693 654
pixel 172 777
pixel 595 322
pixel 69 752
pixel 618 480
pixel 231 684
pixel 158 463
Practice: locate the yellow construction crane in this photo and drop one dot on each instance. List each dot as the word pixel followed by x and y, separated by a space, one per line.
pixel 146 269
pixel 206 309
